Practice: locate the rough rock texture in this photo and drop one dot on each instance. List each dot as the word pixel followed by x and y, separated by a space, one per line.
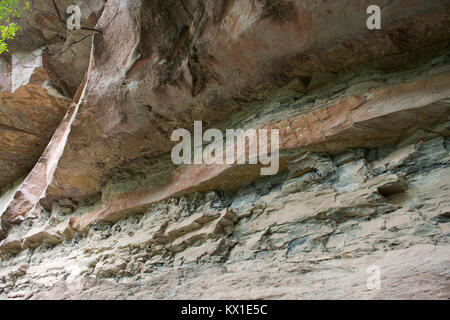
pixel 276 238
pixel 31 109
pixel 364 122
pixel 160 65
pixel 38 79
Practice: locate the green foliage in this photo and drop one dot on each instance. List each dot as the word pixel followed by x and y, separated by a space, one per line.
pixel 9 11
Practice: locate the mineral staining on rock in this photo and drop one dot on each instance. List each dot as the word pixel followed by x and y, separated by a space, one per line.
pixel 268 240
pixel 38 80
pixel 364 122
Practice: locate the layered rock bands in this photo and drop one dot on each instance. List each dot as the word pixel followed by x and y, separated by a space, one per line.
pixel 94 207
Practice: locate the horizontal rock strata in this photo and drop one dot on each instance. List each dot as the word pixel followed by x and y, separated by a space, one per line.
pixel 378 206
pixel 92 205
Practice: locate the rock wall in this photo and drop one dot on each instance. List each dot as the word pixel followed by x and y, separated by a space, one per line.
pixel 364 122
pixel 312 236
pixel 39 76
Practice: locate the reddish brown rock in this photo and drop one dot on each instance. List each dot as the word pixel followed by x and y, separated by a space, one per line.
pixel 39 76
pixel 363 118
pixel 31 110
pixel 206 59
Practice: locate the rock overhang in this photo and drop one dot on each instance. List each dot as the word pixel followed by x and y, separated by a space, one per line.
pixel 215 59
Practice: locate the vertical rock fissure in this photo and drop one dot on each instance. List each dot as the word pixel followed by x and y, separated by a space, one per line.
pixel 25 202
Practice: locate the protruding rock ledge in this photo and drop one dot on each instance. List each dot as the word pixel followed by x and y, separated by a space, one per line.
pixel 368 120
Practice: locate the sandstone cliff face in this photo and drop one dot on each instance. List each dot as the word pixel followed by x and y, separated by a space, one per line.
pixel 38 79
pixel 364 122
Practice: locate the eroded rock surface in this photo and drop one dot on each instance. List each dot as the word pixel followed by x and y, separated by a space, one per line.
pixel 30 111
pixel 364 122
pixel 276 238
pixel 39 76
pixel 161 65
